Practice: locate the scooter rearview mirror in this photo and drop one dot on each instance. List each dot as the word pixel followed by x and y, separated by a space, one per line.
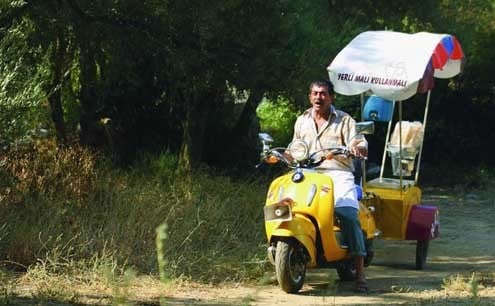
pixel 366 127
pixel 265 137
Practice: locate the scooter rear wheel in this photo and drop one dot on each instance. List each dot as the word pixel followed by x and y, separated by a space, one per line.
pixel 347 271
pixel 290 265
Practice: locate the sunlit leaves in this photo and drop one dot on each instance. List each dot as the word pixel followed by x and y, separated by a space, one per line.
pixel 6 4
pixel 277 118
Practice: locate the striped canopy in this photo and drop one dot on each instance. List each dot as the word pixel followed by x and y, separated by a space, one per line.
pixel 394 65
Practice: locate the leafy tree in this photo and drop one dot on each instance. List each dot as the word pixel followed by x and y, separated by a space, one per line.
pixel 21 82
pixel 169 75
pixel 462 108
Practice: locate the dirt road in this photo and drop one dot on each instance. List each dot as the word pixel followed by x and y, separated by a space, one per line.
pixel 466 249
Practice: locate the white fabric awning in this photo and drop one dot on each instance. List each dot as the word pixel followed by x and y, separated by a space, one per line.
pixel 393 65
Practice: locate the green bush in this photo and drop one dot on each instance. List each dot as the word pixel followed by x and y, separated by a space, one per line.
pixel 277 118
pixel 461 176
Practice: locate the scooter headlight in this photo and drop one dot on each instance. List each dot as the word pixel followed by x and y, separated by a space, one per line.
pixel 299 150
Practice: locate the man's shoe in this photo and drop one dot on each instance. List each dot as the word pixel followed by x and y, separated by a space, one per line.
pixel 361 286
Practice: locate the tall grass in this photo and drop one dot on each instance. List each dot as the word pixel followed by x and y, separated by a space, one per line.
pixel 68 205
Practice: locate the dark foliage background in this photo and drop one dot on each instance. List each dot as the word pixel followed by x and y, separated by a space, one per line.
pixel 186 77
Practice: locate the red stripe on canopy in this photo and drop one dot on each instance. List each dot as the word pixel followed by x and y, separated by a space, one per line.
pixel 439 56
pixel 457 53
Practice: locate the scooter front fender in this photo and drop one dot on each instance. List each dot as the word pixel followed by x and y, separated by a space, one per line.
pixel 300 228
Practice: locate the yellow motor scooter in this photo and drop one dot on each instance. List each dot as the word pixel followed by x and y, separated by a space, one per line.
pixel 300 224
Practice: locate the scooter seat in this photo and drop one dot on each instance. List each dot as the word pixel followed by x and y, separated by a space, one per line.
pixel 339 237
pixel 359 192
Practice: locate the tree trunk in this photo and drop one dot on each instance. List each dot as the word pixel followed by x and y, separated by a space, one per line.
pixel 57 115
pixel 198 108
pixel 205 107
pixel 185 154
pixel 53 89
pixel 248 115
pixel 88 120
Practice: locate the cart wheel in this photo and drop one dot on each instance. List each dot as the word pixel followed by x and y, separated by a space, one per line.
pixel 421 253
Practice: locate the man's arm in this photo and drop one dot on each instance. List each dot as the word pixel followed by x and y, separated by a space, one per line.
pixel 356 143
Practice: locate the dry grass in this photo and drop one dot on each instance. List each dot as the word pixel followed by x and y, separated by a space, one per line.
pixel 67 206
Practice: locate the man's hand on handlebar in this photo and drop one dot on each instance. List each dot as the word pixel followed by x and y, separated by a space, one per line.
pixel 288 156
pixel 359 151
pixel 359 148
pixel 355 152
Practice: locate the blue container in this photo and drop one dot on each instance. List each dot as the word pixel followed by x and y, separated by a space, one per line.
pixel 377 109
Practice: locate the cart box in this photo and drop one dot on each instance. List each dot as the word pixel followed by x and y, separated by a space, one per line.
pixel 423 223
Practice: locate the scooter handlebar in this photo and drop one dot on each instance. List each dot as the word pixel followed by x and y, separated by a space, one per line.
pixel 312 161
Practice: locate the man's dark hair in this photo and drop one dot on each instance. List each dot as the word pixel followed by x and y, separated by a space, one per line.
pixel 322 83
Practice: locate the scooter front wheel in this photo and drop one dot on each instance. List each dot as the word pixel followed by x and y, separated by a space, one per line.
pixel 290 265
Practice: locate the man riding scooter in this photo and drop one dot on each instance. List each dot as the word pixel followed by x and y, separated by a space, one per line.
pixel 323 126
